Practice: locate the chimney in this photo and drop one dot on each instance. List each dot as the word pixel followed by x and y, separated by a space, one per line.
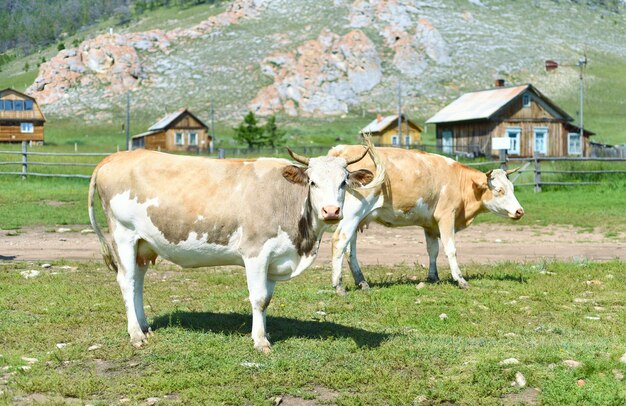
pixel 379 118
pixel 499 83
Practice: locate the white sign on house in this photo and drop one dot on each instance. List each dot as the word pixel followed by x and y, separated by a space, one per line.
pixel 501 143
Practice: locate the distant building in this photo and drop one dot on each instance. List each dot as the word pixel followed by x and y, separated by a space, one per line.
pixel 384 131
pixel 179 131
pixel 529 119
pixel 21 119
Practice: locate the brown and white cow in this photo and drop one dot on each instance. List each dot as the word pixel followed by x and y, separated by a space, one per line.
pixel 266 215
pixel 427 190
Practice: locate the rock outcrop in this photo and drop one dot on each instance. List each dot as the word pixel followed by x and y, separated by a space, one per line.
pixel 323 76
pixel 114 62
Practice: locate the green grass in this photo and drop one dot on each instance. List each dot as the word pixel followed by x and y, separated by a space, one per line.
pixel 27 202
pixel 384 346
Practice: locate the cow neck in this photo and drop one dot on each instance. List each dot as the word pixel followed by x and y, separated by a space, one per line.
pixel 472 197
pixel 309 228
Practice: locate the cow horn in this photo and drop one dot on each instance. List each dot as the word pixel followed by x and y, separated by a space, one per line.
pixel 511 171
pixel 352 160
pixel 488 173
pixel 299 158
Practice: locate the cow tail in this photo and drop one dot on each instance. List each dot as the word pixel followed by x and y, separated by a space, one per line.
pixel 381 174
pixel 105 248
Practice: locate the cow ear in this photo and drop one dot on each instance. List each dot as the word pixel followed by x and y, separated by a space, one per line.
pixel 360 178
pixel 479 185
pixel 296 174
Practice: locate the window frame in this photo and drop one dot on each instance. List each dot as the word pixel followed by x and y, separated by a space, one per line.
pixel 29 105
pixel 178 134
pixel 189 138
pixel 408 140
pixel 27 128
pixel 517 138
pixel 526 100
pixel 446 147
pixel 569 144
pixel 395 140
pixel 544 132
pixel 9 104
pixel 18 105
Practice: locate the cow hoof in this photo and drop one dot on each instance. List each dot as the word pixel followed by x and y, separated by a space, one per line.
pixel 432 279
pixel 340 290
pixel 265 347
pixel 139 342
pixel 463 284
pixel 364 285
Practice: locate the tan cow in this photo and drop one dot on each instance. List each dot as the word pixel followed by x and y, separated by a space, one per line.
pixel 266 215
pixel 422 189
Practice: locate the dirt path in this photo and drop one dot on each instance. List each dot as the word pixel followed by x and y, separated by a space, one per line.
pixel 481 243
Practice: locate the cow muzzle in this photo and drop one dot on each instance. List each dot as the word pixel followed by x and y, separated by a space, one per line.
pixel 331 213
pixel 519 213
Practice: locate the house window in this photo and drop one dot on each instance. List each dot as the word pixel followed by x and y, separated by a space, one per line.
pixel 18 105
pixel 574 146
pixel 526 100
pixel 407 140
pixel 446 141
pixel 193 138
pixel 26 127
pixel 514 137
pixel 394 140
pixel 540 140
pixel 8 104
pixel 28 104
pixel 179 139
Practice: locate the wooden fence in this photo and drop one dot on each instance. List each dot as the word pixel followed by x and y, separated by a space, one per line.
pixel 539 166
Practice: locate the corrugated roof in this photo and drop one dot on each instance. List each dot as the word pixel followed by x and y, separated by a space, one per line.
pixel 377 126
pixel 166 121
pixel 144 134
pixel 477 105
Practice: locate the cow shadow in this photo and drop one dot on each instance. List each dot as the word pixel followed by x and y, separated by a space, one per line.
pixel 280 328
pixel 7 258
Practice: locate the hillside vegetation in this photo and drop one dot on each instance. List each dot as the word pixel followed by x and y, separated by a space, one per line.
pixel 325 67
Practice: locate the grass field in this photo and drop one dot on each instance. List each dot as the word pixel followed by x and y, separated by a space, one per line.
pixel 390 345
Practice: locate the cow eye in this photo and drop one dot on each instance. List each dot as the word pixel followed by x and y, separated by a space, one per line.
pixel 313 184
pixel 343 184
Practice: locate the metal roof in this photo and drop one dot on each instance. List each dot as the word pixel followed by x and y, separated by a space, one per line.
pixel 165 121
pixel 477 105
pixel 378 126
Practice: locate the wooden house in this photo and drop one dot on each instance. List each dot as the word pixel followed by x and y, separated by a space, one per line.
pixel 530 120
pixel 384 131
pixel 21 119
pixel 179 131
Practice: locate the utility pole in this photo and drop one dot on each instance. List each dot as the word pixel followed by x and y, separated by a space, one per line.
pixel 582 62
pixel 399 113
pixel 128 121
pixel 212 125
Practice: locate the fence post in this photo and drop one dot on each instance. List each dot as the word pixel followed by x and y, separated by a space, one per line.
pixel 537 172
pixel 24 160
pixel 220 153
pixel 503 165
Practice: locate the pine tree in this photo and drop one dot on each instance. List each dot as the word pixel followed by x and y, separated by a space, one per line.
pixel 249 132
pixel 272 135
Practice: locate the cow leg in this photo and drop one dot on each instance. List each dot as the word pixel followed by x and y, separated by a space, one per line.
pixel 341 238
pixel 359 279
pixel 260 290
pixel 449 246
pixel 432 245
pixel 141 315
pixel 130 277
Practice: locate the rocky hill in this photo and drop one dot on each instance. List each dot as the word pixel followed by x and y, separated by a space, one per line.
pixel 328 57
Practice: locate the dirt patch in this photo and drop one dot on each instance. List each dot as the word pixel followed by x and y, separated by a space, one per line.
pixel 481 243
pixel 323 396
pixel 528 396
